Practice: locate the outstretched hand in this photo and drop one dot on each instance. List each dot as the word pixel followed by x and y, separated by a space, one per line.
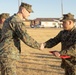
pixel 41 46
pixel 55 53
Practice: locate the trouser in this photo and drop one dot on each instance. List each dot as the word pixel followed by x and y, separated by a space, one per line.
pixel 8 66
pixel 70 70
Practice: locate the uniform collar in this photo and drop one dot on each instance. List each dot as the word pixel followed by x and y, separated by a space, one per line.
pixel 71 29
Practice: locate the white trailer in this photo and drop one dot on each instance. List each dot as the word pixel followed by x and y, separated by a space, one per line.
pixel 49 24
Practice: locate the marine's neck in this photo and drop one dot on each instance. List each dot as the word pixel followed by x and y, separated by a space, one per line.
pixel 20 15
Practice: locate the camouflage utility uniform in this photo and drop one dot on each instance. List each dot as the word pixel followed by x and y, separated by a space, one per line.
pixel 0 29
pixel 3 16
pixel 68 42
pixel 13 30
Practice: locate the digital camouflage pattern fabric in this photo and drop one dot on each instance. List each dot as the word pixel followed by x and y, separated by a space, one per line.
pixel 0 29
pixel 27 6
pixel 68 16
pixel 3 16
pixel 13 31
pixel 68 47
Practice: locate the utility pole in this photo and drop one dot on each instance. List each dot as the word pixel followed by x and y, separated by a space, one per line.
pixel 19 3
pixel 62 8
pixel 21 0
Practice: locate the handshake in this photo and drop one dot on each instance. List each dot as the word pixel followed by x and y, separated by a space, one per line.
pixel 41 46
pixel 55 53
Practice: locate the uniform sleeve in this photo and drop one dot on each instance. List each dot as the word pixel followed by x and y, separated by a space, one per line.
pixel 0 33
pixel 71 51
pixel 53 41
pixel 21 32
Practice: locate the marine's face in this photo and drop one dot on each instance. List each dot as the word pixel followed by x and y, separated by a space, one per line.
pixel 25 13
pixel 2 20
pixel 67 25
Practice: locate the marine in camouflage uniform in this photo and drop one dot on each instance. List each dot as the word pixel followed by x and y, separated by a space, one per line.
pixel 13 31
pixel 68 45
pixel 3 17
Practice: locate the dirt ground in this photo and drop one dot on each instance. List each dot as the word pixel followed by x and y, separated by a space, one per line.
pixel 36 62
